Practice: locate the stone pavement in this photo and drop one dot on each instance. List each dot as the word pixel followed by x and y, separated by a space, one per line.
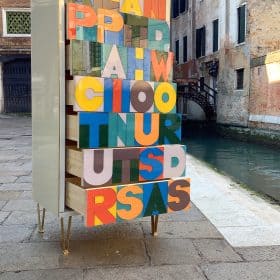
pixel 188 245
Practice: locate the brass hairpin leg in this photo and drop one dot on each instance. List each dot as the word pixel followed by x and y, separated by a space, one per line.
pixel 154 224
pixel 41 223
pixel 65 240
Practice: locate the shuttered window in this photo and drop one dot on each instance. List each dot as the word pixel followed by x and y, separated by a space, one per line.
pixel 177 51
pixel 215 35
pixel 240 79
pixel 200 42
pixel 185 49
pixel 179 7
pixel 241 11
pixel 175 8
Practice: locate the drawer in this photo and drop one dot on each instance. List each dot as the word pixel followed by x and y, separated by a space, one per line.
pixel 115 204
pixel 94 130
pixel 107 167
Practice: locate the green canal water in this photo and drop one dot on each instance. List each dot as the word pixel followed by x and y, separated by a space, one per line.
pixel 254 165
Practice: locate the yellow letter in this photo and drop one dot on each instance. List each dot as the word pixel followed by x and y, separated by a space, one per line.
pixel 83 89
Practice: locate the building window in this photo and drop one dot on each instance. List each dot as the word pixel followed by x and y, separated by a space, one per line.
pixel 215 35
pixel 240 79
pixel 179 7
pixel 200 42
pixel 175 8
pixel 185 53
pixel 241 11
pixel 16 22
pixel 177 51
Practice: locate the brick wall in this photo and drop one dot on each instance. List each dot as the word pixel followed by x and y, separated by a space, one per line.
pixel 13 45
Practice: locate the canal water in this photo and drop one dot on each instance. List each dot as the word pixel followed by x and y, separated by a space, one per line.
pixel 254 165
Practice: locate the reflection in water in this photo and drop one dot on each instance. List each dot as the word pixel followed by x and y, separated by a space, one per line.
pixel 254 165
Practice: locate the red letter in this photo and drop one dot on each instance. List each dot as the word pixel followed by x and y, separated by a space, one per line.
pixel 89 18
pixel 155 9
pixel 163 67
pixel 101 206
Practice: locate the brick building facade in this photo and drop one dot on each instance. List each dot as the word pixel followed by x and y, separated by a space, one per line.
pixel 242 38
pixel 15 51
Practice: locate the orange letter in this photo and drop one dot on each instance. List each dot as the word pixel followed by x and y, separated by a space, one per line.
pixel 89 18
pixel 130 205
pixel 163 67
pixel 144 122
pixel 116 24
pixel 155 9
pixel 101 206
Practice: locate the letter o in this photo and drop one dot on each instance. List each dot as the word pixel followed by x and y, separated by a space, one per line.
pixel 162 105
pixel 144 88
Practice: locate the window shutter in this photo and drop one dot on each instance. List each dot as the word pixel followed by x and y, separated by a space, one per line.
pixel 203 40
pixel 185 49
pixel 215 35
pixel 198 43
pixel 241 23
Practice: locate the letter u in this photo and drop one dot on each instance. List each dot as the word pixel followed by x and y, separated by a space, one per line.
pixel 146 129
pixel 98 166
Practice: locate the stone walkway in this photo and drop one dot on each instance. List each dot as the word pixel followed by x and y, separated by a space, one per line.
pixel 188 245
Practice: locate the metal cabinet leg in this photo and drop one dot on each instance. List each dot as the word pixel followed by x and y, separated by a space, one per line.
pixel 154 224
pixel 65 239
pixel 41 222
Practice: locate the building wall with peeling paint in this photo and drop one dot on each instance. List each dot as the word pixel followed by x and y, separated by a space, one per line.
pixel 265 64
pixel 259 99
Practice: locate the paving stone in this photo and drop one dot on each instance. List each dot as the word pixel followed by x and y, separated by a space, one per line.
pixel 193 214
pixel 61 274
pixel 2 204
pixel 14 234
pixel 26 195
pixel 20 205
pixel 8 195
pixel 124 231
pixel 3 216
pixel 9 155
pixel 201 229
pixel 7 179
pixel 216 250
pixel 250 271
pixel 252 236
pixel 164 251
pixel 27 218
pixel 168 272
pixel 260 253
pixel 16 187
pixel 27 256
pixel 24 179
pixel 120 252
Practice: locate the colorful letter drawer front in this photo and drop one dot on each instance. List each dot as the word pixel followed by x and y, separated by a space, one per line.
pixel 110 130
pixel 108 25
pixel 112 61
pixel 92 94
pixel 125 166
pixel 122 203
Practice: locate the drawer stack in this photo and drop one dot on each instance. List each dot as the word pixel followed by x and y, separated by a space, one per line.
pixel 123 159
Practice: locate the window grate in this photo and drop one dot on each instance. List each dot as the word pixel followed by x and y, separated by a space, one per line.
pixel 18 22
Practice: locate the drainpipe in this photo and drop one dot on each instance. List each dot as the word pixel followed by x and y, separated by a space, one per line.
pixel 193 29
pixel 1 90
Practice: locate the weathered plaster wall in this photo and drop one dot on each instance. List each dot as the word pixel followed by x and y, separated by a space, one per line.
pixel 265 72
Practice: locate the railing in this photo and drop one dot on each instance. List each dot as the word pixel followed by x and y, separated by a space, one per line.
pixel 202 94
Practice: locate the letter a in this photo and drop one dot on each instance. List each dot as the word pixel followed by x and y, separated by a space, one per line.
pixel 114 67
pixel 134 7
